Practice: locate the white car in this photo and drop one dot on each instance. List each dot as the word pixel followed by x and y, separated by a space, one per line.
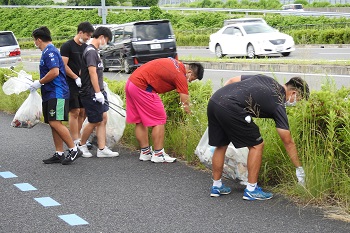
pixel 250 40
pixel 10 52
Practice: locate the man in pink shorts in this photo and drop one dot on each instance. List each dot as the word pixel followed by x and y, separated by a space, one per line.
pixel 144 106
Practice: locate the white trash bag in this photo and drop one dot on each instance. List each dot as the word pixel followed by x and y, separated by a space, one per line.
pixel 115 120
pixel 28 115
pixel 16 85
pixel 235 166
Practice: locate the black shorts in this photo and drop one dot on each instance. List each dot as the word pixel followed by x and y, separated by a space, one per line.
pixel 55 110
pixel 94 110
pixel 74 101
pixel 225 126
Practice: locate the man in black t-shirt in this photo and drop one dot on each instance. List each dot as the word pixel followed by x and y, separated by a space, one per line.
pixel 93 96
pixel 230 112
pixel 71 52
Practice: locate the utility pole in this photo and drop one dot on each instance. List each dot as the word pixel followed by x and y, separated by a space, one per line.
pixel 103 11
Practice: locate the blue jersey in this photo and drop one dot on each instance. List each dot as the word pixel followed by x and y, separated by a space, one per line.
pixel 58 87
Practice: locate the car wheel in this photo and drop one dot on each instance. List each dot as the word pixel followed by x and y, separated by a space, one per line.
pixel 218 51
pixel 127 68
pixel 286 54
pixel 250 51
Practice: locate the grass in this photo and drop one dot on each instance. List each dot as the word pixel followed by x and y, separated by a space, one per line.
pixel 320 128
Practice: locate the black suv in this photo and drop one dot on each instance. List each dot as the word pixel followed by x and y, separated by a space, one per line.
pixel 136 43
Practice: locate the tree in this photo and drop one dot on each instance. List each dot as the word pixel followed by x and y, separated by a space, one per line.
pixel 144 2
pixel 155 12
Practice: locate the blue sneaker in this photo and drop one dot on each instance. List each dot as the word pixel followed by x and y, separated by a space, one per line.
pixel 216 191
pixel 257 194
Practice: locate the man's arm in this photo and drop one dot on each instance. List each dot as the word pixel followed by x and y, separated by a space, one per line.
pixel 94 78
pixel 290 146
pixel 51 75
pixel 185 101
pixel 233 80
pixel 69 72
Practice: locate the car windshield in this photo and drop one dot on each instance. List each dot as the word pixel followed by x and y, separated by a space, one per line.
pixel 7 39
pixel 151 31
pixel 258 28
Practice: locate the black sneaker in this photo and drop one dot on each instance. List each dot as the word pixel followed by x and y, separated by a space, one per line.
pixel 56 158
pixel 71 156
pixel 88 144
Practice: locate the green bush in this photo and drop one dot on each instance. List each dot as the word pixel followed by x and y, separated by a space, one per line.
pixel 191 29
pixel 320 128
pixel 144 2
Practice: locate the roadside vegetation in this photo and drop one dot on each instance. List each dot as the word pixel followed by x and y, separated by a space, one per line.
pixel 320 126
pixel 191 29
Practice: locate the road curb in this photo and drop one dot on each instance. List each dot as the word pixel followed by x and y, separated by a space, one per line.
pixel 290 68
pixel 315 69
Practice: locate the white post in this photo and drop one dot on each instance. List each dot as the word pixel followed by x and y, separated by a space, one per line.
pixel 103 11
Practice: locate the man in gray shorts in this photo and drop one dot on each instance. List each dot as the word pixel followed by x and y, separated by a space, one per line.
pixel 230 111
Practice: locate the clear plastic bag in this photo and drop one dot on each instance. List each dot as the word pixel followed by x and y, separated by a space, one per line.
pixel 16 85
pixel 28 115
pixel 235 165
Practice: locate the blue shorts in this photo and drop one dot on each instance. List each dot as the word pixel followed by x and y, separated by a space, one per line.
pixel 94 110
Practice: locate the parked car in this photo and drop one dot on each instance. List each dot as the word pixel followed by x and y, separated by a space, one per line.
pixel 250 40
pixel 244 20
pixel 136 43
pixel 10 52
pixel 293 7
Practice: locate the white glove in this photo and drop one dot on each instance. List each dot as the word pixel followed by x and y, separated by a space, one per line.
pixel 99 97
pixel 105 84
pixel 78 82
pixel 300 175
pixel 35 85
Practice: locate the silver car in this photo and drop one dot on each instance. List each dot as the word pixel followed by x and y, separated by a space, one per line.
pixel 10 52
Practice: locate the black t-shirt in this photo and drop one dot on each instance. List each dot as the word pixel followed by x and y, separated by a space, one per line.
pixel 91 57
pixel 74 52
pixel 258 95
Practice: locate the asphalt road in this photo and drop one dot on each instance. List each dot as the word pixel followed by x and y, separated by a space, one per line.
pixel 125 195
pixel 310 52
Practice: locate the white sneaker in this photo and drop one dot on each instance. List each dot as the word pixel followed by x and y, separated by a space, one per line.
pixel 106 153
pixel 85 150
pixel 77 142
pixel 157 159
pixel 145 157
pixel 165 158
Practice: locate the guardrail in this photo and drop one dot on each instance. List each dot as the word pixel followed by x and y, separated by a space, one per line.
pixel 183 9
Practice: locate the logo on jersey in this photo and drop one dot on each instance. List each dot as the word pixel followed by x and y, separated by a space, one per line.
pixel 176 64
pixel 51 55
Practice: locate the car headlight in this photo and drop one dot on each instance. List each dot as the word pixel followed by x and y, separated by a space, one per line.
pixel 278 41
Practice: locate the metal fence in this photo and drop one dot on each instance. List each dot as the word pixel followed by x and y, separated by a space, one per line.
pixel 177 2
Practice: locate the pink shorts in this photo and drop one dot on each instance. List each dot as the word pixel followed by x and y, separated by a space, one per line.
pixel 143 107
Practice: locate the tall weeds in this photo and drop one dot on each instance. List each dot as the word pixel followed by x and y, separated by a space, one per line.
pixel 320 128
